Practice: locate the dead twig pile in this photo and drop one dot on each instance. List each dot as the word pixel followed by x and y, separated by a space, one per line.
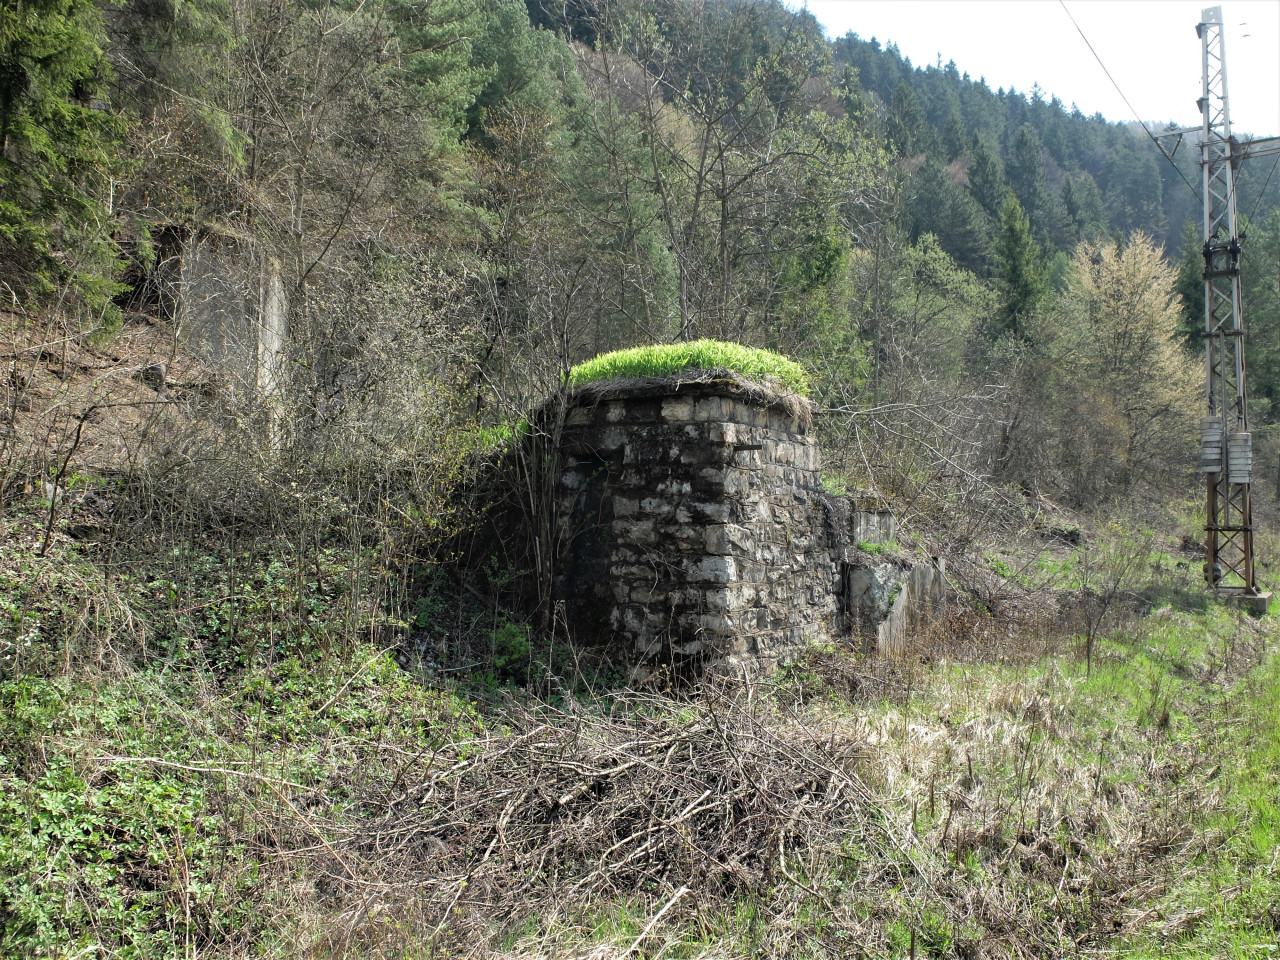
pixel 709 796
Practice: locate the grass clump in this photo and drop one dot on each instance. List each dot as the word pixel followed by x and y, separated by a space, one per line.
pixel 663 360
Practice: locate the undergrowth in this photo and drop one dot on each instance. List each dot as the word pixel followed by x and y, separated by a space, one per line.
pixel 222 754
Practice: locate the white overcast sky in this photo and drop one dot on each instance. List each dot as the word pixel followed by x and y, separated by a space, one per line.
pixel 1149 46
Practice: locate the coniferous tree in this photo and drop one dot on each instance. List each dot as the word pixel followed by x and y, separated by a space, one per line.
pixel 1055 230
pixel 1189 285
pixel 1260 307
pixel 937 205
pixel 1131 185
pixel 986 176
pixel 1026 170
pixel 908 130
pixel 1019 270
pixel 526 67
pixel 56 147
pixel 956 140
pixel 1083 201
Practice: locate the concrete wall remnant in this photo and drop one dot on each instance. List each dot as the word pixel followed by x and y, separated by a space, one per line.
pixel 890 601
pixel 695 525
pixel 232 307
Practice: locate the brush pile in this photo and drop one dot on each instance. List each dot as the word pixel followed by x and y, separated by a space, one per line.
pixel 706 796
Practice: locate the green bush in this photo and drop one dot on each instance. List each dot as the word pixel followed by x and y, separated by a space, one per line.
pixel 511 652
pixel 663 360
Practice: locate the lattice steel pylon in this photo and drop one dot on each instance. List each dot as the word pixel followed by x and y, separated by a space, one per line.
pixel 1226 454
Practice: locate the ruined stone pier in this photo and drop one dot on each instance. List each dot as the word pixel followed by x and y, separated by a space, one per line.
pixel 695 523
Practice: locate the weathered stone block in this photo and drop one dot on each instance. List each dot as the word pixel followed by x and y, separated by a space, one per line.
pixel 674 488
pixel 711 480
pixel 612 438
pixel 710 512
pixel 717 625
pixel 752 571
pixel 710 408
pixel 714 569
pixel 632 572
pixel 728 601
pixel 736 483
pixel 677 408
pixel 635 531
pixel 647 595
pixel 656 507
pixel 722 432
pixel 729 539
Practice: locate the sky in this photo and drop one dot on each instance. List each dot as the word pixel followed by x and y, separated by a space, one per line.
pixel 1149 46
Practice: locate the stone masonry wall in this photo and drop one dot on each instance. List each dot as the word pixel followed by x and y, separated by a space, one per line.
pixel 694 526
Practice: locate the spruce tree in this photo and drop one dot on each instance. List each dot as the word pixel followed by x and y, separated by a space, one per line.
pixel 56 144
pixel 986 176
pixel 1019 270
pixel 1026 169
pixel 908 128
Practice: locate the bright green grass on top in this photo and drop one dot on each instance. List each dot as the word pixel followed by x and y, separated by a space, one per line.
pixel 667 359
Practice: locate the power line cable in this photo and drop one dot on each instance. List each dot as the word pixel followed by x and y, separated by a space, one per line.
pixel 1244 254
pixel 1193 190
pixel 1263 192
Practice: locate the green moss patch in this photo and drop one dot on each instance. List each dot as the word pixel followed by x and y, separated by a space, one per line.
pixel 665 360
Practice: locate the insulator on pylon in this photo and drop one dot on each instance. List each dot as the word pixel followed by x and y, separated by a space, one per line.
pixel 1239 457
pixel 1211 431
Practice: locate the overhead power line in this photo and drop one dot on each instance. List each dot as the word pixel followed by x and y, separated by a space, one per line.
pixel 1263 192
pixel 1194 192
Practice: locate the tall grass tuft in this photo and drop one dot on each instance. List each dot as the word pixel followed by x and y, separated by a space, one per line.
pixel 663 360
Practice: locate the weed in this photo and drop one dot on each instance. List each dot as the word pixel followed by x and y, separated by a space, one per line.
pixel 835 486
pixel 510 652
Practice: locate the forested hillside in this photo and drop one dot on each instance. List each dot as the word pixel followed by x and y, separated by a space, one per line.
pixel 271 685
pixel 595 176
